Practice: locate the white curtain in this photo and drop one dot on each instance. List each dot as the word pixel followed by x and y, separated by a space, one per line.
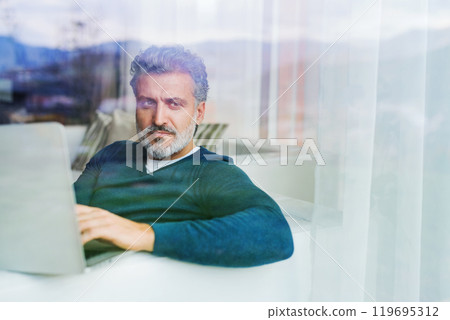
pixel 383 126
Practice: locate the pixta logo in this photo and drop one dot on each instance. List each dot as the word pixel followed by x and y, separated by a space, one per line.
pixel 248 151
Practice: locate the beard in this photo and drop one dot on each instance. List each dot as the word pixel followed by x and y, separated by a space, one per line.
pixel 164 147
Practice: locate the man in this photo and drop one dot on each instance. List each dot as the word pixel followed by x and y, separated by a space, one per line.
pixel 207 212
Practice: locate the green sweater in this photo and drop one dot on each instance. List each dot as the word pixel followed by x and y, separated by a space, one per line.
pixel 223 219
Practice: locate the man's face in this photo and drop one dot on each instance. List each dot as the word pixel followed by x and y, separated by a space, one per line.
pixel 165 106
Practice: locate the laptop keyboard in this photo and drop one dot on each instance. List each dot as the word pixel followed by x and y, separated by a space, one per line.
pixel 95 256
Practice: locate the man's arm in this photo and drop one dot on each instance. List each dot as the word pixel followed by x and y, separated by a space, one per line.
pixel 96 223
pixel 253 237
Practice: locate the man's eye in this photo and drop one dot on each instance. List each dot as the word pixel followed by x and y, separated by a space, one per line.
pixel 145 104
pixel 174 105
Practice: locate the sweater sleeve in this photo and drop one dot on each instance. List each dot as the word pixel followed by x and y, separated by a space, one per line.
pixel 86 182
pixel 245 228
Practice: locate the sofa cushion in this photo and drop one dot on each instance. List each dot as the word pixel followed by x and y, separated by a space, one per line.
pixel 123 126
pixel 94 139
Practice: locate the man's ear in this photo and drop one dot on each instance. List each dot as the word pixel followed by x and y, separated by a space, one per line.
pixel 200 112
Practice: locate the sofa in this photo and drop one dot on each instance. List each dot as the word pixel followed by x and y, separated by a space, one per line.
pixel 139 276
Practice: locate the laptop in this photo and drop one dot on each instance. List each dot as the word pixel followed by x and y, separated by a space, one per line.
pixel 38 226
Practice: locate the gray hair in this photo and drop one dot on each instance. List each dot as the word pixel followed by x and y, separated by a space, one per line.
pixel 159 60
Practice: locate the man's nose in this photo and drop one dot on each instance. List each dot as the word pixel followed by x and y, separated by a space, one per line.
pixel 160 116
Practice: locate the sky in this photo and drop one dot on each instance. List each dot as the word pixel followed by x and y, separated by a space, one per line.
pixel 50 22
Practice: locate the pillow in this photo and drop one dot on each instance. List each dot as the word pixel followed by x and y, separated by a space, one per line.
pixel 94 139
pixel 206 132
pixel 123 126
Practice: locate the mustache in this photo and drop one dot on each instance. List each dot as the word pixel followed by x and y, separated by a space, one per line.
pixel 147 133
pixel 153 128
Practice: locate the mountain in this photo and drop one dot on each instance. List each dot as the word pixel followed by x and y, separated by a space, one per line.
pixel 18 55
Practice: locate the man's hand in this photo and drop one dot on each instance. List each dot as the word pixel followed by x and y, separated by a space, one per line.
pixel 96 223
